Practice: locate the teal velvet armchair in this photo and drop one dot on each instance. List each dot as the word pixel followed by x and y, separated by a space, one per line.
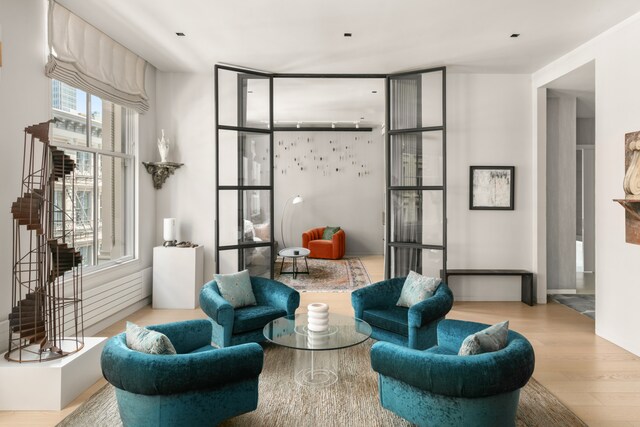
pixel 436 387
pixel 413 327
pixel 233 326
pixel 199 386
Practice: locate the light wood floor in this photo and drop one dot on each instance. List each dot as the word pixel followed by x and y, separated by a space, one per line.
pixel 599 381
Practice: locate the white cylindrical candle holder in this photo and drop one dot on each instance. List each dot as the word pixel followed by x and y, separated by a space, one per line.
pixel 169 230
pixel 318 317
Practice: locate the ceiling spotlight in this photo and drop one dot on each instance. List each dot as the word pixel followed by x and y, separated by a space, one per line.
pixel 357 125
pixel 374 91
pixel 180 34
pixel 348 34
pixel 333 125
pixel 361 118
pixel 514 35
pixel 298 125
pixel 249 91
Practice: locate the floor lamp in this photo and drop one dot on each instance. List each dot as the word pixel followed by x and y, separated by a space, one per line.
pixel 296 199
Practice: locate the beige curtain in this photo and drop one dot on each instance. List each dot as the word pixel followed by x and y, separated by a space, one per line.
pixel 86 58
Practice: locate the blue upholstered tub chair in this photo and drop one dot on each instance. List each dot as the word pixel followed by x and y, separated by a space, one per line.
pixel 436 387
pixel 199 386
pixel 233 326
pixel 413 327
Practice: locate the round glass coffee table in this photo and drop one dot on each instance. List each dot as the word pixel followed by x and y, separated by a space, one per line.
pixel 316 363
pixel 294 254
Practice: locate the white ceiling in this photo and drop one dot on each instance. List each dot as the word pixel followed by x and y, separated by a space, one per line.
pixel 580 83
pixel 307 36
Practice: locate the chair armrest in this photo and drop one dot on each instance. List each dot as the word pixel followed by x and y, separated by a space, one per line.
pixel 377 295
pixel 186 336
pixel 457 376
pixel 431 309
pixel 216 307
pixel 275 294
pixel 338 243
pixel 151 374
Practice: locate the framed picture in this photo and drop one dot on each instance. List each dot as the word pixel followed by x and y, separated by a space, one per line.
pixel 491 187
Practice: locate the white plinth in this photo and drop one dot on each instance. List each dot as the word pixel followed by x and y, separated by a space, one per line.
pixel 50 386
pixel 177 276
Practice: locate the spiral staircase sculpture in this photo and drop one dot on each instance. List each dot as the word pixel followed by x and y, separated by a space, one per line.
pixel 46 320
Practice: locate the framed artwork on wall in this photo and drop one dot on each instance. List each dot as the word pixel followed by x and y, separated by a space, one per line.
pixel 491 187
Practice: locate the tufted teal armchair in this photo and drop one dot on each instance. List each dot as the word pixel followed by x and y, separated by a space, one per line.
pixel 413 327
pixel 233 326
pixel 199 386
pixel 436 387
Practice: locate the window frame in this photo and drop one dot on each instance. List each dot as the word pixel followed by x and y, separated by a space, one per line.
pixel 129 154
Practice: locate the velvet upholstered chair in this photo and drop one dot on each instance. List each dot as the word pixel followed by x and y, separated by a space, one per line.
pixel 233 326
pixel 436 387
pixel 413 327
pixel 199 386
pixel 323 248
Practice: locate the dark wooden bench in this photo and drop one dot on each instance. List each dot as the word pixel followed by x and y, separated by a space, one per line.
pixel 526 287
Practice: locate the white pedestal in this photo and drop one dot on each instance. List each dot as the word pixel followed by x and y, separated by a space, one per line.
pixel 177 276
pixel 50 386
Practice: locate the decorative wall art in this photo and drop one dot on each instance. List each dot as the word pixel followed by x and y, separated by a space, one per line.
pixel 631 186
pixel 491 187
pixel 327 154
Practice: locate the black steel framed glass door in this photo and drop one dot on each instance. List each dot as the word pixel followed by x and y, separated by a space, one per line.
pixel 244 171
pixel 416 232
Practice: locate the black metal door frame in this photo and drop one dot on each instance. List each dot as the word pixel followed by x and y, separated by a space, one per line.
pixel 243 76
pixel 389 245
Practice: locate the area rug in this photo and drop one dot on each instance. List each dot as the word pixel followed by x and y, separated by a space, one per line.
pixel 325 275
pixel 584 304
pixel 352 401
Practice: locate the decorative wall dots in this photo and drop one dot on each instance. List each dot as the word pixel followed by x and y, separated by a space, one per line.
pixel 335 153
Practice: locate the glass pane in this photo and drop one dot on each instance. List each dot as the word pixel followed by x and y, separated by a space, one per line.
pixel 243 100
pixel 416 217
pixel 107 121
pixel 112 208
pixel 69 106
pixel 424 261
pixel 228 261
pixel 258 261
pixel 416 159
pixel 416 100
pixel 244 158
pixel 246 219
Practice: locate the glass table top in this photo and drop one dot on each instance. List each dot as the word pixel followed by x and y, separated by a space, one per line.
pixel 291 331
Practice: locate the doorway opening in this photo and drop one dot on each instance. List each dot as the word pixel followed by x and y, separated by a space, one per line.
pixel 570 175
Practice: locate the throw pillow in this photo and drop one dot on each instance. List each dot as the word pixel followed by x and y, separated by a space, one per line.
pixel 493 338
pixel 329 231
pixel 147 341
pixel 236 288
pixel 417 288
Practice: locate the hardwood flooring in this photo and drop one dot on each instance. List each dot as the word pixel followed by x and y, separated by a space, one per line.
pixel 597 380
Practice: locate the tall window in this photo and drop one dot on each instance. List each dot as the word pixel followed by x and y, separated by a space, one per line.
pixel 97 134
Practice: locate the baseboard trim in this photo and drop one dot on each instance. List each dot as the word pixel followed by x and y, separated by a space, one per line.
pixel 560 291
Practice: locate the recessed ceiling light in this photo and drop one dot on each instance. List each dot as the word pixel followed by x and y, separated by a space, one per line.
pixel 361 118
pixel 374 91
pixel 249 91
pixel 514 35
pixel 180 34
pixel 348 34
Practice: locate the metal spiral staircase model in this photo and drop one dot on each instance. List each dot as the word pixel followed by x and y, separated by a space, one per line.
pixel 46 320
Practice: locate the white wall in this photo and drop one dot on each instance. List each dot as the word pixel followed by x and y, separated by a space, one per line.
pixel 186 113
pixel 351 198
pixel 489 123
pixel 25 100
pixel 617 112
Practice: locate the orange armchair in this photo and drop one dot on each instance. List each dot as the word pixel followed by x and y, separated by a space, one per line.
pixel 320 248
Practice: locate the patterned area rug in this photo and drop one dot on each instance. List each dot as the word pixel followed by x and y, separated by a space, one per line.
pixel 584 304
pixel 325 275
pixel 352 401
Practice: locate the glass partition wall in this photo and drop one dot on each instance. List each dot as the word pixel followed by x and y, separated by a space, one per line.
pixel 244 172
pixel 416 173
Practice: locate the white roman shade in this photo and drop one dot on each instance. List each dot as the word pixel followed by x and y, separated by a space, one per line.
pixel 86 58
